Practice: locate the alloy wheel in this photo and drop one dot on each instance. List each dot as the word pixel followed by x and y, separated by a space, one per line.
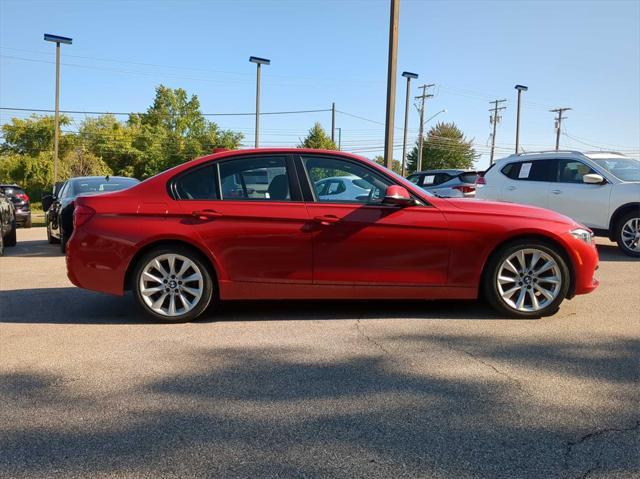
pixel 529 280
pixel 630 234
pixel 171 285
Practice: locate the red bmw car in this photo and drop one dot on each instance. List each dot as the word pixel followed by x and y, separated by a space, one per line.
pixel 281 224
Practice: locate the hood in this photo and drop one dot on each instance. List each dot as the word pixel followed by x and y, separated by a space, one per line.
pixel 496 208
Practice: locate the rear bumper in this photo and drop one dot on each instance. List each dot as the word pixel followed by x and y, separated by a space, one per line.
pixel 96 263
pixel 23 217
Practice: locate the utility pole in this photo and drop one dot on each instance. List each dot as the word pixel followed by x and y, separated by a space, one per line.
pixel 559 119
pixel 494 119
pixel 56 134
pixel 391 82
pixel 421 110
pixel 333 121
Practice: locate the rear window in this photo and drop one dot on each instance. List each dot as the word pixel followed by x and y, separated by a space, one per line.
pixel 197 184
pixel 11 190
pixel 102 185
pixel 468 177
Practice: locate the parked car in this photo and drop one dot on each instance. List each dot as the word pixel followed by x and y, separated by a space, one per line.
pixel 21 204
pixel 8 235
pixel 447 183
pixel 59 206
pixel 342 187
pixel 598 189
pixel 180 244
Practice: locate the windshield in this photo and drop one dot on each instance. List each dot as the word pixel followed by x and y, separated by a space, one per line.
pixel 625 169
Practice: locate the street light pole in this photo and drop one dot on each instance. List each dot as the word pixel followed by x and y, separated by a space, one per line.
pixel 520 89
pixel 408 76
pixel 56 134
pixel 259 62
pixel 391 82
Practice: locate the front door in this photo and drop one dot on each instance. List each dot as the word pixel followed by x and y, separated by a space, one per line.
pixel 251 216
pixel 361 241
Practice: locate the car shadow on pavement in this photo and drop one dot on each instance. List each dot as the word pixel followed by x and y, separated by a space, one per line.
pixel 33 249
pixel 78 306
pixel 611 252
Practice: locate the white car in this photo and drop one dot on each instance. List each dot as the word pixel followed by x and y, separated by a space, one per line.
pixel 350 188
pixel 601 190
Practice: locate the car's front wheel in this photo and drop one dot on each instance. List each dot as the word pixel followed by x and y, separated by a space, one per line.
pixel 173 284
pixel 527 279
pixel 628 234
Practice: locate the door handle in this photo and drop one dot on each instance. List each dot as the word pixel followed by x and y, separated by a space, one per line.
pixel 556 192
pixel 326 220
pixel 511 188
pixel 206 214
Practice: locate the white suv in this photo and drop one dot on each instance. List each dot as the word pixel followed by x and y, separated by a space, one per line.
pixel 598 189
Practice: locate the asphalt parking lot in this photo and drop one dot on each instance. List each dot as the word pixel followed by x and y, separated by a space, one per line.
pixel 89 388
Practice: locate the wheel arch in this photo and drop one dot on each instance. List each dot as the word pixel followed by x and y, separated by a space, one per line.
pixel 171 242
pixel 548 240
pixel 619 213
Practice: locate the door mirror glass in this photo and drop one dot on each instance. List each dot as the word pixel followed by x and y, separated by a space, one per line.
pixel 397 195
pixel 593 179
pixel 47 201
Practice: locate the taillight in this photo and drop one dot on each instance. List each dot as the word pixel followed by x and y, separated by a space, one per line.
pixel 82 214
pixel 22 196
pixel 481 181
pixel 465 189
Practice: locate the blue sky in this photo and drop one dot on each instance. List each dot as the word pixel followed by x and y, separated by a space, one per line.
pixel 579 54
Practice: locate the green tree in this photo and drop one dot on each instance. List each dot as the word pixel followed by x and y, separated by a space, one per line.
pixel 318 139
pixel 396 165
pixel 33 135
pixel 445 146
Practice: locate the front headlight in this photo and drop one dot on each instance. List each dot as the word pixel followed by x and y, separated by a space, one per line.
pixel 583 235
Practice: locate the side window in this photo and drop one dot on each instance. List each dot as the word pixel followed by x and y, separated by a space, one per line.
pixel 359 184
pixel 572 171
pixel 441 178
pixel 197 184
pixel 539 170
pixel 415 179
pixel 255 178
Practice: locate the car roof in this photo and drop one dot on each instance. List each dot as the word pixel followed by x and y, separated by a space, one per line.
pixel 448 172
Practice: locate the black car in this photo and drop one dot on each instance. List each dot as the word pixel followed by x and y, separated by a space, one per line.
pixel 20 201
pixel 59 205
pixel 7 223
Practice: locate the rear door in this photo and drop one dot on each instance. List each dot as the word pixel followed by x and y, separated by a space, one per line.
pixel 570 195
pixel 249 212
pixel 528 182
pixel 360 241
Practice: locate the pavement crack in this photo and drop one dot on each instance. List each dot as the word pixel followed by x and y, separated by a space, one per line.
pixel 369 338
pixel 593 436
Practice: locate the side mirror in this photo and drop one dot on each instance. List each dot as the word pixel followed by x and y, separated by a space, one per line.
pixel 47 201
pixel 397 195
pixel 593 179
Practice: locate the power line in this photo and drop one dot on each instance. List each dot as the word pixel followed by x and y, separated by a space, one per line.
pixel 81 112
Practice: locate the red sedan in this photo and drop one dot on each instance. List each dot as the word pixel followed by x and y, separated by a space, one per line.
pixel 309 224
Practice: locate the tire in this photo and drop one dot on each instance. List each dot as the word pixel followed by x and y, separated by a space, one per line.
pixel 11 239
pixel 533 295
pixel 50 238
pixel 627 233
pixel 63 241
pixel 155 297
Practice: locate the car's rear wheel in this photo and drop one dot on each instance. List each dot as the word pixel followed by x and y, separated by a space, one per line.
pixel 12 238
pixel 173 284
pixel 628 234
pixel 527 279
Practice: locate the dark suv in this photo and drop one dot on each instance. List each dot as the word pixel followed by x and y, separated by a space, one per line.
pixel 20 202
